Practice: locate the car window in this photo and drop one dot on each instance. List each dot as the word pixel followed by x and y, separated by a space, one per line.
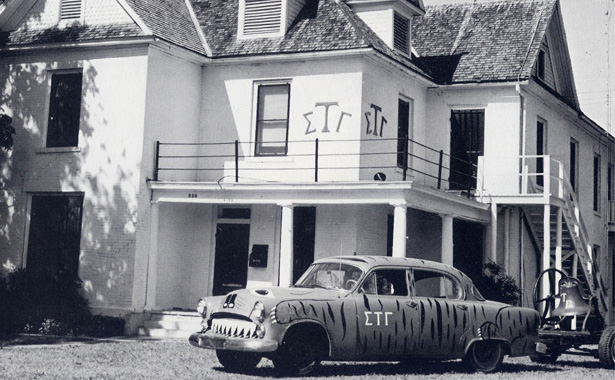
pixel 386 282
pixel 435 284
pixel 330 276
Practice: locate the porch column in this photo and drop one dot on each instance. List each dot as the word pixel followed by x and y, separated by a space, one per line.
pixel 447 239
pixel 152 260
pixel 286 247
pixel 400 228
pixel 546 250
pixel 492 230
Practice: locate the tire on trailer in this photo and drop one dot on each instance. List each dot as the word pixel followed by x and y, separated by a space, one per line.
pixel 549 358
pixel 485 356
pixel 238 360
pixel 606 347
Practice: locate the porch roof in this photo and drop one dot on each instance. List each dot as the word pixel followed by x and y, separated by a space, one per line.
pixel 413 195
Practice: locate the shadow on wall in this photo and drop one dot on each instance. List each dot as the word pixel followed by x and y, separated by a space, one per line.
pixel 97 170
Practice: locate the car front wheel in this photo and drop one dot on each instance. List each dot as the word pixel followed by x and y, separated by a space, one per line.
pixel 485 356
pixel 238 360
pixel 296 357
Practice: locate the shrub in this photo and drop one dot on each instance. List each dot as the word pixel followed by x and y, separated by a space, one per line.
pixel 50 303
pixel 496 285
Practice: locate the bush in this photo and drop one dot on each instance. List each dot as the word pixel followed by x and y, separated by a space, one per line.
pixel 496 285
pixel 49 303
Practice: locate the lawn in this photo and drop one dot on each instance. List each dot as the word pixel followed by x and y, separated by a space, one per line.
pixel 176 359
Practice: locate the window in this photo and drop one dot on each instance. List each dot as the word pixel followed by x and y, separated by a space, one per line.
pixel 64 110
pixel 404 114
pixel 467 144
pixel 540 65
pixel 610 183
pixel 435 284
pixel 401 33
pixel 55 233
pixel 386 282
pixel 597 182
pixel 541 130
pixel 70 9
pixel 272 120
pixel 574 167
pixel 260 17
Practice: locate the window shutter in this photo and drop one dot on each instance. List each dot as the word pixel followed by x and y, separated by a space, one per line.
pixel 262 17
pixel 401 33
pixel 70 9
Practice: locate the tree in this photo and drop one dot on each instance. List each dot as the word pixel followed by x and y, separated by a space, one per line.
pixel 6 131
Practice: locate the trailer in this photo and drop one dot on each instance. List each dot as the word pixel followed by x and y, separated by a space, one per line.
pixel 571 319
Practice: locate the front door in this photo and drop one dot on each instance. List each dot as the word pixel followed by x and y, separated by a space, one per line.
pixel 231 263
pixel 304 221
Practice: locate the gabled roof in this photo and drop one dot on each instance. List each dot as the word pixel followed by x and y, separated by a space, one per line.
pixel 482 42
pixel 168 20
pixel 322 25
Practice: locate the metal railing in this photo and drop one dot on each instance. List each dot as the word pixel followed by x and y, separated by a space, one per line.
pixel 315 160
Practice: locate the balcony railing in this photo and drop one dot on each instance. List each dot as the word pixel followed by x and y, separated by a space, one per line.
pixel 316 160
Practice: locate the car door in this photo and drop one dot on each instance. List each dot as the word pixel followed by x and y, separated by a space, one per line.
pixel 445 316
pixel 387 316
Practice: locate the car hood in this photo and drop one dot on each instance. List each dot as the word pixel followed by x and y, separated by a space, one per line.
pixel 241 302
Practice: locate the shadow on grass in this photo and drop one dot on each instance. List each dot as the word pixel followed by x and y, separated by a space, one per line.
pixel 40 339
pixel 330 369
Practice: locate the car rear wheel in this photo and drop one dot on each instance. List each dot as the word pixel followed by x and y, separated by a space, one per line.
pixel 296 356
pixel 238 360
pixel 485 356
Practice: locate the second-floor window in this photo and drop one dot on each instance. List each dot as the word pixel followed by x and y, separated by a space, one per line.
pixel 597 182
pixel 404 114
pixel 272 119
pixel 64 110
pixel 574 160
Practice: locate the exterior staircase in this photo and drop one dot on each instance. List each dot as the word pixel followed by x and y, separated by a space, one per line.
pixel 171 324
pixel 577 258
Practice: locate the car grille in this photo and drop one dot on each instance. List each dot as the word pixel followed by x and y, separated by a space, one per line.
pixel 234 328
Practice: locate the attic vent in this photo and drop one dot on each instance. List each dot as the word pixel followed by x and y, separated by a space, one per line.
pixel 401 33
pixel 70 9
pixel 262 17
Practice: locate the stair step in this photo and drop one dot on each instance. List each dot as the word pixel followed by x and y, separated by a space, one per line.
pixel 165 334
pixel 173 325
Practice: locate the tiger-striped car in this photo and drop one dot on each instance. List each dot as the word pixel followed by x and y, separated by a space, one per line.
pixel 357 308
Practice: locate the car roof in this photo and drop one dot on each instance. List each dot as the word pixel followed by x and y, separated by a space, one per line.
pixel 367 262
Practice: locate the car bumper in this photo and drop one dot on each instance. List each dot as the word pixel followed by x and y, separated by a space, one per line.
pixel 211 341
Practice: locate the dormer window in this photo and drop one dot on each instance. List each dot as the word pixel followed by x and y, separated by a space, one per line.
pixel 540 65
pixel 70 10
pixel 401 33
pixel 260 18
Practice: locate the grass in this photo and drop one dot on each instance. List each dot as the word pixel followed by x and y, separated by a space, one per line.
pixel 177 359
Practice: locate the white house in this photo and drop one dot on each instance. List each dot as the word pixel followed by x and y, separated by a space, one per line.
pixel 169 149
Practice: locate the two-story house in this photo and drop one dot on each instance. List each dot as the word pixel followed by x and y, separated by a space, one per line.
pixel 169 149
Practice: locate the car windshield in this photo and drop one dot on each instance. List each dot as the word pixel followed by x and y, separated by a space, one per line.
pixel 330 276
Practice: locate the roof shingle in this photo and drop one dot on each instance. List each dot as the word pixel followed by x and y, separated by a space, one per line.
pixel 482 42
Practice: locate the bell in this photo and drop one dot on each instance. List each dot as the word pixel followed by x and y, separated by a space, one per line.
pixel 572 302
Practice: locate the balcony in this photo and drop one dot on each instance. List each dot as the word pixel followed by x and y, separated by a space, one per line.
pixel 318 160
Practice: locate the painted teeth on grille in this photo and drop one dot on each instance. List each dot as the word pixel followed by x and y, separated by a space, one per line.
pixel 234 328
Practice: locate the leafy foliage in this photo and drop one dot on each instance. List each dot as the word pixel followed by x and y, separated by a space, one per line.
pixel 50 303
pixel 6 131
pixel 496 285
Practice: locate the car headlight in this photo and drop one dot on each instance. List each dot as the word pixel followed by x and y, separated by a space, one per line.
pixel 201 308
pixel 258 312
